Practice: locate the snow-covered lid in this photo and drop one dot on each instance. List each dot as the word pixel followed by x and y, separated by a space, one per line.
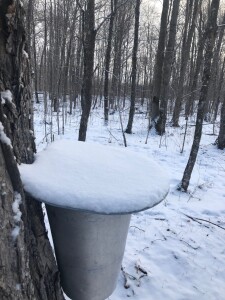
pixel 94 178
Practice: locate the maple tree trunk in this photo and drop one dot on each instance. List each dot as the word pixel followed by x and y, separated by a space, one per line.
pixel 27 265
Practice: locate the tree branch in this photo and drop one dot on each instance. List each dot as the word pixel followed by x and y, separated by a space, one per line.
pixel 200 219
pixel 109 15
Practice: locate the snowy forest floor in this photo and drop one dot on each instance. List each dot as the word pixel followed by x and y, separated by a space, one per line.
pixel 176 250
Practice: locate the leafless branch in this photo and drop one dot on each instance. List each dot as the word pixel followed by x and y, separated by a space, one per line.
pixel 142 270
pixel 109 15
pixel 203 220
pixel 80 6
pixel 138 228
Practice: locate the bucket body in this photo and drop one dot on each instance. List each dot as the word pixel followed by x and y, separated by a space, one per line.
pixel 89 250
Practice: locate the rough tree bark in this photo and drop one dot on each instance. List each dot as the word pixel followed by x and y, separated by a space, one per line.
pixel 210 33
pixel 27 266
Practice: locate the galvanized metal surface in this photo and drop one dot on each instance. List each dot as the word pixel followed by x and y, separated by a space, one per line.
pixel 89 250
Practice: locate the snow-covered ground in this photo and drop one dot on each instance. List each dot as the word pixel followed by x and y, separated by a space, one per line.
pixel 176 250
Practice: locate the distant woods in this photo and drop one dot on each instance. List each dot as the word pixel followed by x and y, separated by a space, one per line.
pixel 128 55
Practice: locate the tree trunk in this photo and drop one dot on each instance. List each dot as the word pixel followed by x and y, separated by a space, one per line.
pixel 107 61
pixel 134 68
pixel 201 43
pixel 220 85
pixel 161 123
pixel 89 51
pixel 27 265
pixel 214 74
pixel 210 33
pixel 185 55
pixel 158 69
pixel 122 28
pixel 221 137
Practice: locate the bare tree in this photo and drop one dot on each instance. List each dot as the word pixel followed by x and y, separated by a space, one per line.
pixel 27 266
pixel 134 68
pixel 190 19
pixel 158 69
pixel 218 98
pixel 122 24
pixel 210 33
pixel 198 64
pixel 107 60
pixel 221 137
pixel 211 95
pixel 168 60
pixel 89 36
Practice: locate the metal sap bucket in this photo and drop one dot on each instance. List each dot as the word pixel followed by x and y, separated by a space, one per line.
pixel 90 226
pixel 89 249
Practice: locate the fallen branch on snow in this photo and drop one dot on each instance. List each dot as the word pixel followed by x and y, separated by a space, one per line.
pixel 203 220
pixel 142 270
pixel 137 228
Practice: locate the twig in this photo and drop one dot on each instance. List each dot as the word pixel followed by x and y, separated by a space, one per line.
pixel 112 135
pixel 126 284
pixel 138 228
pixel 185 133
pixel 109 15
pixel 139 268
pixel 202 124
pixel 80 6
pixel 121 124
pixel 194 248
pixel 159 240
pixel 193 219
pixel 129 276
pixel 200 219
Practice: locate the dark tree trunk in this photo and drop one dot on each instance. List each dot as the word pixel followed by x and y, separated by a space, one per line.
pixel 220 85
pixel 210 33
pixel 185 55
pixel 157 79
pixel 120 32
pixel 89 50
pixel 221 137
pixel 199 59
pixel 107 61
pixel 27 265
pixel 167 69
pixel 214 73
pixel 134 68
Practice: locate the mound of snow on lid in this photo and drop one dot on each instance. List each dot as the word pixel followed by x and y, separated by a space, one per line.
pixel 93 177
